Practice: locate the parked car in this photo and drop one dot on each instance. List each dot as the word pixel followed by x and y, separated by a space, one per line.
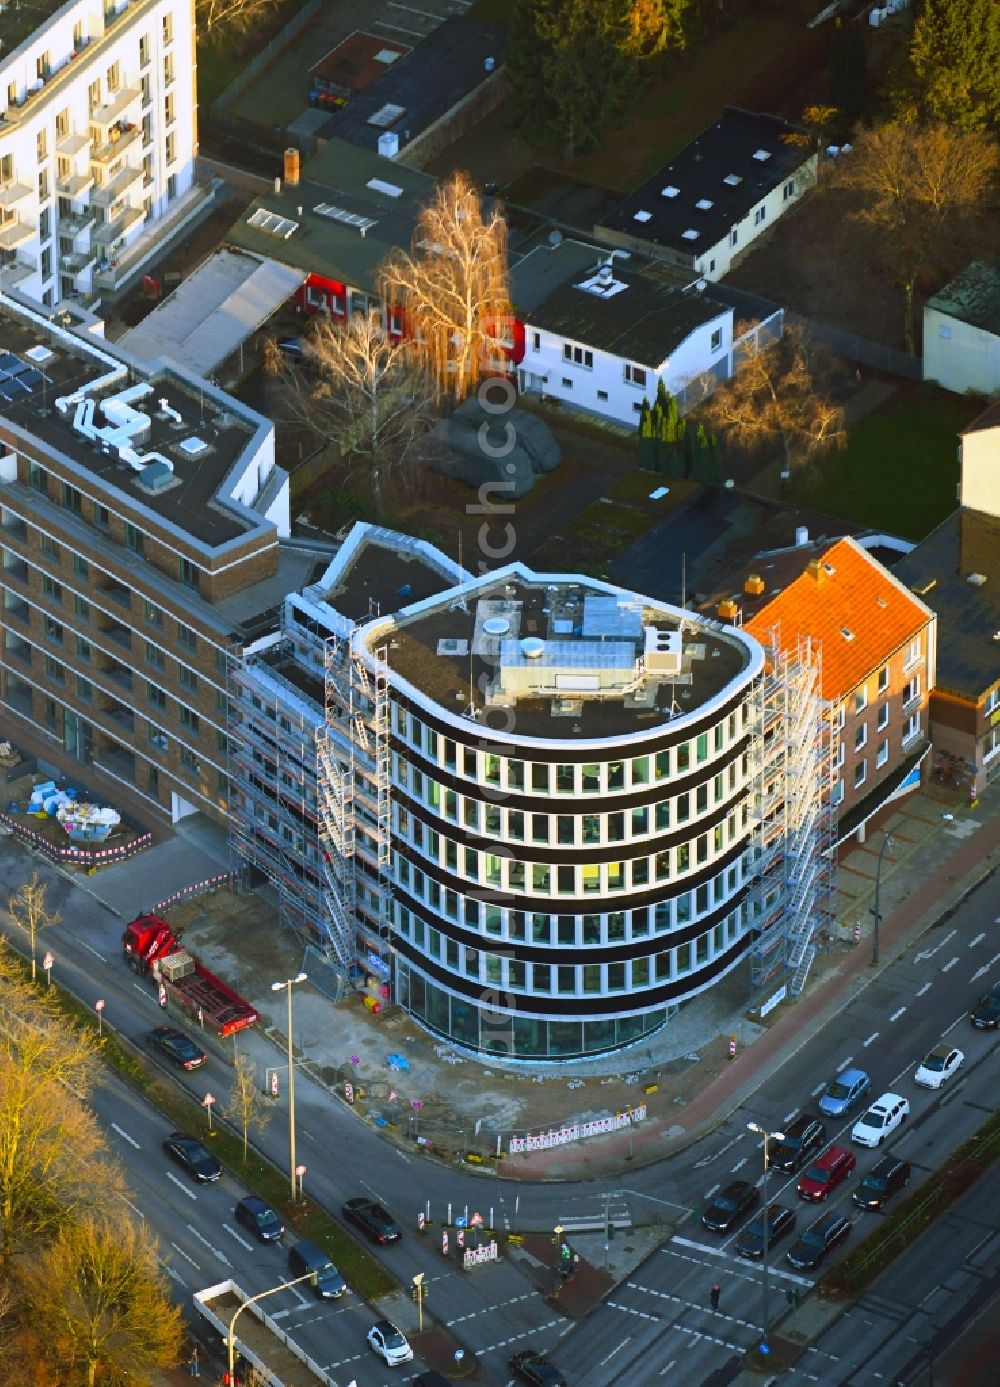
pixel 881 1120
pixel 730 1205
pixel 780 1222
pixel 819 1238
pixel 848 1088
pixel 882 1182
pixel 801 1138
pixel 374 1221
pixel 195 1158
pixel 306 1258
pixel 534 1368
pixel 260 1218
pixel 177 1047
pixel 986 1013
pixel 937 1068
pixel 822 1178
pixel 390 1345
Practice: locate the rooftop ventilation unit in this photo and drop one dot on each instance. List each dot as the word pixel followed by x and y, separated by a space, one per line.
pixel 662 651
pixel 379 185
pixel 532 648
pixel 643 217
pixel 690 234
pixel 496 626
pixel 733 180
pixel 976 579
pixel 847 633
pixel 704 204
pixel 448 645
pixel 272 223
pixel 670 191
pixel 762 155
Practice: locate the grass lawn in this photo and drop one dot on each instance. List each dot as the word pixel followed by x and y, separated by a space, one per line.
pixel 900 467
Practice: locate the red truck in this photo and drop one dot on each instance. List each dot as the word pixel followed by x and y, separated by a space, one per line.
pixel 151 947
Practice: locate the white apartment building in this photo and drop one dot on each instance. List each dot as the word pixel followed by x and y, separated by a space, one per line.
pixel 97 139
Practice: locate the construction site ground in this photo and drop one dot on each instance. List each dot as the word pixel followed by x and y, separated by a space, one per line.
pixel 463 1103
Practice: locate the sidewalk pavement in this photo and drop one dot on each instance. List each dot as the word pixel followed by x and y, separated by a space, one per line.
pixel 943 849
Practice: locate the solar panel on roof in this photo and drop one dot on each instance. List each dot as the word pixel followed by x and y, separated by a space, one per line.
pixel 29 377
pixel 9 363
pixel 21 368
pixel 11 387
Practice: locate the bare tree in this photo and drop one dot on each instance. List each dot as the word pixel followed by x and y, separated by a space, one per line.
pixel 923 193
pixel 27 910
pixel 364 392
pixel 215 17
pixel 246 1107
pixel 777 396
pixel 104 1302
pixel 452 286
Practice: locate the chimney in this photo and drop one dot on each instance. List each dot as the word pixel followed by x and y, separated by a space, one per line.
pixel 815 570
pixel 801 536
pixel 754 585
pixel 292 167
pixel 727 610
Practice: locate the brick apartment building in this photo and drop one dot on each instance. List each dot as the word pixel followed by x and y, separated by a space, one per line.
pixel 878 654
pixel 140 518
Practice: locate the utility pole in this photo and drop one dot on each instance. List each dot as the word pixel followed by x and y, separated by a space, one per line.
pixel 765 1338
pixel 887 843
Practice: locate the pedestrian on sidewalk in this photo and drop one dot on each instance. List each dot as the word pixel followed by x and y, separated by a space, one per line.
pixel 714 1294
pixel 194 1362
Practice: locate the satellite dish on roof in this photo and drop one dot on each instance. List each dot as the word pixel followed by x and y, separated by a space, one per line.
pixel 532 648
pixel 555 238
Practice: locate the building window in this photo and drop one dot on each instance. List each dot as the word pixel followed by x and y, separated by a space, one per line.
pixel 602 394
pixel 911 691
pixel 188 678
pixel 837 793
pixel 788 190
pixel 635 375
pixel 912 729
pixel 186 637
pixel 81 608
pixel 861 737
pixel 536 341
pixel 861 699
pixel 154 655
pixel 168 69
pixel 883 679
pixel 84 689
pixel 717 340
pixel 578 356
pixel 54 670
pixel 94 95
pixel 153 614
pixel 882 720
pixel 734 236
pixel 168 28
pixel 133 538
pixel 114 77
pixel 190 762
pixel 190 720
pixel 760 215
pixel 52 590
pixel 189 574
pixel 37 478
pixel 860 773
pixel 143 50
pixel 913 653
pixel 882 755
pixel 168 110
pixel 155 696
pixel 101 516
pixel 83 650
pixel 567 383
pixel 53 630
pixel 170 148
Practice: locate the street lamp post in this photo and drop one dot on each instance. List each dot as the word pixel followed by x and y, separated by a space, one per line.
pixel 251 1300
pixel 288 984
pixel 765 1346
pixel 887 843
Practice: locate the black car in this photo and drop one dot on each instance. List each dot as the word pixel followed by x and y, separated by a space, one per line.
pixel 730 1205
pixel 534 1368
pixel 374 1221
pixel 818 1239
pixel 195 1159
pixel 260 1218
pixel 306 1259
pixel 882 1182
pixel 177 1047
pixel 801 1138
pixel 986 1013
pixel 780 1222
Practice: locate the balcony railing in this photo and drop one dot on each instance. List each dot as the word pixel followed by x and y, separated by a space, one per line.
pixel 116 188
pixel 12 193
pixel 116 145
pixel 107 234
pixel 74 185
pixel 116 108
pixel 16 234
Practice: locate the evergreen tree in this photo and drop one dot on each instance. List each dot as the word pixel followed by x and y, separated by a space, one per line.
pixel 955 63
pixel 573 65
pixel 847 68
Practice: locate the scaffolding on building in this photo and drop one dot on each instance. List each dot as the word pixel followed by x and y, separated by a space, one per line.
pixel 794 867
pixel 272 776
pixel 335 776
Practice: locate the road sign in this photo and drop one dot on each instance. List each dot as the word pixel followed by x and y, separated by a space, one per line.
pixel 300 1170
pixel 349 1093
pixel 208 1100
pixel 476 1221
pixel 444 1242
pixel 48 961
pixel 163 995
pixel 274 1083
pixel 99 1004
pixel 416 1104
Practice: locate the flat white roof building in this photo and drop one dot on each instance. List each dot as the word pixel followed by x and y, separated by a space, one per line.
pixel 98 137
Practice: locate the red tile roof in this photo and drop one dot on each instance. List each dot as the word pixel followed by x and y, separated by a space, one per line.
pixel 853 606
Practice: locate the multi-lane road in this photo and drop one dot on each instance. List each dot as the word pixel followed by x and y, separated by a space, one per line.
pixel 656 1324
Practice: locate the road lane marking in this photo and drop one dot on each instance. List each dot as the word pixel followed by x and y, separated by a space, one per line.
pixel 91 949
pixel 845 1064
pixel 739 1165
pixel 897 1014
pixel 978 940
pixel 957 1022
pixel 663 1371
pixel 185 1256
pixel 122 1133
pixel 818 1089
pixel 871 1039
pixel 926 988
pixel 699 1247
pixel 135 1209
pixel 215 1251
pixel 612 1353
pixel 173 1273
pixel 242 1241
pixel 181 1185
pixel 709 1193
pixel 946 967
pixel 788 1117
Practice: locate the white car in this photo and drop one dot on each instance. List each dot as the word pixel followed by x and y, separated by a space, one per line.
pixel 881 1120
pixel 386 1340
pixel 938 1066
